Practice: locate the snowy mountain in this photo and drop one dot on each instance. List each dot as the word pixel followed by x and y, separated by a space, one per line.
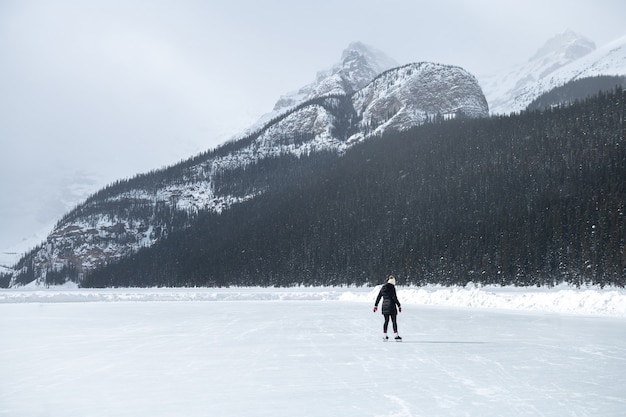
pixel 408 95
pixel 564 58
pixel 359 65
pixel 345 107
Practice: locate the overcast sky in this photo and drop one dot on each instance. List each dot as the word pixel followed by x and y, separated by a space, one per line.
pixel 94 91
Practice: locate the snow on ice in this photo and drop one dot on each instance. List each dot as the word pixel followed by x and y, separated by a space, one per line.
pixel 560 299
pixel 473 351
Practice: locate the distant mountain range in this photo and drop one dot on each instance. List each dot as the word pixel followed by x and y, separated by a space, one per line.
pixel 565 58
pixel 364 96
pixel 349 104
pixel 535 198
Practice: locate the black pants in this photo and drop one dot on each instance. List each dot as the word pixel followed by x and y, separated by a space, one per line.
pixel 393 321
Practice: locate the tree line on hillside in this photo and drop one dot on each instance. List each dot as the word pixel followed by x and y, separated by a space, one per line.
pixel 150 182
pixel 577 90
pixel 134 200
pixel 537 198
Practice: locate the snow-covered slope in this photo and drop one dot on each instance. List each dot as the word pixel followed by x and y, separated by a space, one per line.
pixel 562 299
pixel 358 66
pixel 407 96
pixel 564 58
pixel 125 217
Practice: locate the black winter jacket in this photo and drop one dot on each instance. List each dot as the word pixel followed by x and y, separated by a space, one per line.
pixel 390 300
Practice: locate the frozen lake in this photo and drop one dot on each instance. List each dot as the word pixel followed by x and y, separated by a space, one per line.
pixel 262 355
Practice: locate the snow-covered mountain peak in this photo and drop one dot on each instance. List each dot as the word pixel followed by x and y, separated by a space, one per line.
pixel 407 96
pixel 564 47
pixel 610 59
pixel 564 58
pixel 98 232
pixel 359 64
pixel 375 58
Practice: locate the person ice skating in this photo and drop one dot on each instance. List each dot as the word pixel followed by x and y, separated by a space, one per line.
pixel 390 301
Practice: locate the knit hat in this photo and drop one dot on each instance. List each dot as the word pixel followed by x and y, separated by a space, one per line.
pixel 391 280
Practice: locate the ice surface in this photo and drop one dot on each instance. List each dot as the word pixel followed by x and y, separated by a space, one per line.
pixel 303 352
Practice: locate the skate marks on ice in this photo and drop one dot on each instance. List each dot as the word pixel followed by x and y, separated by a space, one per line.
pixel 508 364
pixel 398 407
pixel 443 342
pixel 312 358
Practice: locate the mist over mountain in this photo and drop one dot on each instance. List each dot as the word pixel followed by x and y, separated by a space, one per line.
pixel 530 199
pixel 359 65
pixel 564 58
pixel 137 213
pixel 366 95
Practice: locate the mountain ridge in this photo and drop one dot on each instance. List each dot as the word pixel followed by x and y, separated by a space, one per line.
pixel 111 225
pixel 333 121
pixel 527 199
pixel 566 57
pixel 359 64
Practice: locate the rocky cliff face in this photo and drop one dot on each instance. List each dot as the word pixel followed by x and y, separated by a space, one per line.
pixel 409 95
pixel 126 216
pixel 359 65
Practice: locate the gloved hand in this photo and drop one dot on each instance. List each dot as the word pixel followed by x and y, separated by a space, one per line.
pixel 375 309
pixel 400 309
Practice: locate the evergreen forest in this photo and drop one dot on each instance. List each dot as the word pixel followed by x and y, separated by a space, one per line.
pixel 536 198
